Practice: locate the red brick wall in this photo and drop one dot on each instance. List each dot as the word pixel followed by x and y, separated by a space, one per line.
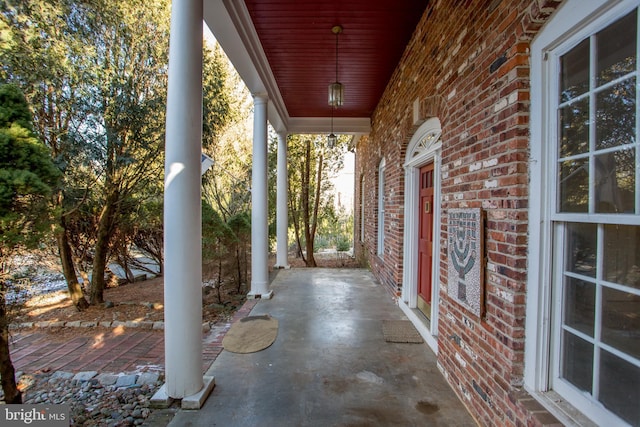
pixel 468 65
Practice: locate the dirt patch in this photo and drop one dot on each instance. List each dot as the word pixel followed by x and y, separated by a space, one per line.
pixel 326 260
pixel 144 301
pixel 139 301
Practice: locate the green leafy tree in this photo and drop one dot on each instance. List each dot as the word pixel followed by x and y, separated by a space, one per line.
pixel 27 177
pixel 226 139
pixel 310 165
pixel 240 225
pixel 95 74
pixel 128 109
pixel 43 49
pixel 216 238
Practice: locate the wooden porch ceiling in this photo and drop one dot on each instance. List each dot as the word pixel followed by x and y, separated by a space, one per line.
pixel 285 49
pixel 299 46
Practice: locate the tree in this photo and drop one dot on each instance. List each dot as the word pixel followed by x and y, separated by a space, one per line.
pixel 27 177
pixel 216 236
pixel 310 166
pixel 43 51
pixel 226 186
pixel 95 73
pixel 128 109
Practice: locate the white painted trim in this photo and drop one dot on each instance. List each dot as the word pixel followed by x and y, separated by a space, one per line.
pixel 570 21
pixel 343 125
pixel 282 208
pixel 419 154
pixel 381 207
pixel 259 201
pixel 361 189
pixel 182 204
pixel 420 326
pixel 230 23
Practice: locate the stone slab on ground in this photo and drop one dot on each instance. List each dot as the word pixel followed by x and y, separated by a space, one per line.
pixel 148 378
pixel 107 379
pixel 61 375
pixel 84 376
pixel 126 380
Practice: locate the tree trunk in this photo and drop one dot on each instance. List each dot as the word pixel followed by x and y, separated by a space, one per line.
pixel 9 386
pixel 219 284
pixel 296 225
pixel 66 259
pixel 105 232
pixel 316 202
pixel 306 214
pixel 245 255
pixel 239 265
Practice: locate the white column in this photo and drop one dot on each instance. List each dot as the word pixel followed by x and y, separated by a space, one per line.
pixel 182 210
pixel 259 203
pixel 282 218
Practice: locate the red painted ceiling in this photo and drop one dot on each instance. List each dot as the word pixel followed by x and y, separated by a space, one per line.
pixel 300 48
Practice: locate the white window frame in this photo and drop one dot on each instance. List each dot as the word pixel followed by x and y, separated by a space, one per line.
pixel 381 206
pixel 573 22
pixel 362 217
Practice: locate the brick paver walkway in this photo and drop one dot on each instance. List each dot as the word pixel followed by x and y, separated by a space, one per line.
pixel 107 350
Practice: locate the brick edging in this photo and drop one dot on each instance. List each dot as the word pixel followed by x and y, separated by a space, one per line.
pixel 146 325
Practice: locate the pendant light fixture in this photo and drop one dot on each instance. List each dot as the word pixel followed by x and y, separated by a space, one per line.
pixel 336 92
pixel 332 139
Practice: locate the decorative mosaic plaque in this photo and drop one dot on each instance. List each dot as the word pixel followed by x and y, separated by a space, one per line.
pixel 465 259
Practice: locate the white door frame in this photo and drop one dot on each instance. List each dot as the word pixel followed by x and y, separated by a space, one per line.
pixel 424 147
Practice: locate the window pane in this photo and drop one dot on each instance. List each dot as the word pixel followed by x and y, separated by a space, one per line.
pixel 616 115
pixel 574 186
pixel 619 390
pixel 621 321
pixel 615 182
pixel 574 66
pixel 616 47
pixel 621 263
pixel 574 128
pixel 579 305
pixel 577 363
pixel 581 246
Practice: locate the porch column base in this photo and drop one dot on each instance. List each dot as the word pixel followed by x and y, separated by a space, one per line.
pixel 253 295
pixel 195 401
pixel 162 400
pixel 282 267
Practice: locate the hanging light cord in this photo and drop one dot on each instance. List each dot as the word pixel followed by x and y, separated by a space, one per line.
pixel 337 33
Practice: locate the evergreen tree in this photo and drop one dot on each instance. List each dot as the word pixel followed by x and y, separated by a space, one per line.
pixel 27 176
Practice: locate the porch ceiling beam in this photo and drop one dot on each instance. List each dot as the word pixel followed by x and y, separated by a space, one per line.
pixel 230 23
pixel 356 125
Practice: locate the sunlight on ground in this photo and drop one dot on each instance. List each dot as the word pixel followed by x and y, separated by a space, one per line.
pixel 41 304
pixel 118 330
pixel 98 341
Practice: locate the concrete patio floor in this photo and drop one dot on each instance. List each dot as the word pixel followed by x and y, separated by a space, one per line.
pixel 329 365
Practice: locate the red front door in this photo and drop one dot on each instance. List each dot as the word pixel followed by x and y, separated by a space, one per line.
pixel 425 241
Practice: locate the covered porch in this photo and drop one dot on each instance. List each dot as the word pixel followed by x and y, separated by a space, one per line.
pixel 330 364
pixel 287 53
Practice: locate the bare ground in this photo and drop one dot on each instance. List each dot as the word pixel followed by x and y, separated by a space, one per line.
pixel 144 301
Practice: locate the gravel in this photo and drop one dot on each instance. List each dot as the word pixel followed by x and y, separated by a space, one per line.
pixel 92 402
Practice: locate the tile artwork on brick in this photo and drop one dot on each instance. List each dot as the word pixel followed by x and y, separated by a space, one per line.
pixel 465 259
